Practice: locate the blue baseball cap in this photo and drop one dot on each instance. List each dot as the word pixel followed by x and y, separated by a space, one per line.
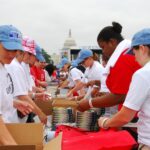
pixel 11 37
pixel 62 63
pixel 83 54
pixel 141 38
pixel 39 55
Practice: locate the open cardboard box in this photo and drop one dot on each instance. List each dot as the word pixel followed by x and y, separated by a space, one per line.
pixel 46 107
pixel 63 102
pixel 30 137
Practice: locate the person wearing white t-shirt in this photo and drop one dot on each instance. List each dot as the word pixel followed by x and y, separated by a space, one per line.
pixel 10 41
pixel 138 96
pixel 75 76
pixel 94 71
pixel 20 85
pixel 29 54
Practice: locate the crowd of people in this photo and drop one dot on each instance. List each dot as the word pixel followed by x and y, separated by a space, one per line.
pixel 120 83
pixel 23 80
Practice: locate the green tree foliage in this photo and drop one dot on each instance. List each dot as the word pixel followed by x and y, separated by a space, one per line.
pixel 47 56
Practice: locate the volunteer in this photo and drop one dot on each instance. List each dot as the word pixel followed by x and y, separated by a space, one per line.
pixel 36 71
pixel 63 66
pixel 43 67
pixel 21 88
pixel 94 70
pixel 29 47
pixel 10 41
pixel 118 71
pixel 75 76
pixel 138 96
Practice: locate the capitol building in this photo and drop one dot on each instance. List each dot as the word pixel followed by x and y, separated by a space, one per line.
pixel 70 49
pixel 69 45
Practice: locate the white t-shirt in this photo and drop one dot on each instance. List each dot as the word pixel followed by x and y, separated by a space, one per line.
pixel 96 73
pixel 7 110
pixel 18 75
pixel 29 79
pixel 138 98
pixel 47 77
pixel 74 75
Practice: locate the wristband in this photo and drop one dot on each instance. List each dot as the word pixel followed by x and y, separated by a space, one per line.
pixel 33 96
pixel 103 123
pixel 96 86
pixel 90 103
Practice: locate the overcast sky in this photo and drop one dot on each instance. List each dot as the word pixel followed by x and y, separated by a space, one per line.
pixel 49 21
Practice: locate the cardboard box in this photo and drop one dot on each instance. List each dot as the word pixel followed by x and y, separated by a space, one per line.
pixel 30 137
pixel 64 103
pixel 19 147
pixel 46 107
pixel 54 144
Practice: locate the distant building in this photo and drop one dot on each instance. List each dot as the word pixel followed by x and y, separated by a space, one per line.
pixel 70 49
pixel 68 44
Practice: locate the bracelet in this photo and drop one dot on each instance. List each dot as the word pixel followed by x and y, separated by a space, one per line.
pixel 103 123
pixel 90 103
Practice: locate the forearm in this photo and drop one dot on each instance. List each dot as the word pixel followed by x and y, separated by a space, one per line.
pixel 5 136
pixel 108 100
pixel 64 84
pixel 37 89
pixel 42 83
pixel 36 109
pixel 124 116
pixel 78 87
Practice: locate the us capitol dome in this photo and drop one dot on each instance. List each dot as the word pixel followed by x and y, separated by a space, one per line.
pixel 69 42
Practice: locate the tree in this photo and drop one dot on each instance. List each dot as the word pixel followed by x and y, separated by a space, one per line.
pixel 47 57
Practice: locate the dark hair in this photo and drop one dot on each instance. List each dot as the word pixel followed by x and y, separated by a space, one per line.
pixel 50 68
pixel 95 57
pixel 111 32
pixel 138 46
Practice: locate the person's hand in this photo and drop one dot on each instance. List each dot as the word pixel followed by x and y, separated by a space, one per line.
pixel 102 122
pixel 42 83
pixel 24 107
pixel 43 96
pixel 95 92
pixel 40 90
pixel 83 105
pixel 43 118
pixel 74 98
pixel 94 82
pixel 90 83
pixel 69 94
